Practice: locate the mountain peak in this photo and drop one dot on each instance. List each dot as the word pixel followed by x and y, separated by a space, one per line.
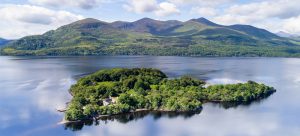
pixel 89 21
pixel 205 21
pixel 147 20
pixel 286 34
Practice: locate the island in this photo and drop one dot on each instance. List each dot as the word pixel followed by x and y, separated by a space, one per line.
pixel 121 90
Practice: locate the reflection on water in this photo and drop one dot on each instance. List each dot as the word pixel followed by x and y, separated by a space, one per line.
pixel 125 118
pixel 32 88
pixel 227 105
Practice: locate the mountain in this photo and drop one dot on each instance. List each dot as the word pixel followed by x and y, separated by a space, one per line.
pixel 147 25
pixel 206 22
pixel 285 34
pixel 253 31
pixel 3 41
pixel 294 37
pixel 195 37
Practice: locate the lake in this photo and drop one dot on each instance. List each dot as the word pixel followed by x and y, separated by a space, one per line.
pixel 32 88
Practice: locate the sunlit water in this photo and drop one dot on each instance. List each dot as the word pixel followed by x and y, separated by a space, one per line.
pixel 32 88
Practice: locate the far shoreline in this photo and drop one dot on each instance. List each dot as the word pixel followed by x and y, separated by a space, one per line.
pixel 194 56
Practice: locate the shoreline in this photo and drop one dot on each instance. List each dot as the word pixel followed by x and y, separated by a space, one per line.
pixel 98 117
pixel 177 103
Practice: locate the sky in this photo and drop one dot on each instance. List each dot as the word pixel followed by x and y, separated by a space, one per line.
pixel 19 18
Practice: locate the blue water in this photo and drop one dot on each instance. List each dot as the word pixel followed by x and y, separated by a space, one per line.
pixel 32 88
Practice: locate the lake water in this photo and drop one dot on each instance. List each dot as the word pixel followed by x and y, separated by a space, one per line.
pixel 32 88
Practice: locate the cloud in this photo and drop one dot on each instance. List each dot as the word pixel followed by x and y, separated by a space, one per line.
pixel 275 15
pixel 83 4
pixel 113 128
pixel 44 91
pixel 243 121
pixel 29 20
pixel 166 9
pixel 279 8
pixel 8 117
pixel 151 6
pixel 291 25
pixel 139 6
pixel 200 2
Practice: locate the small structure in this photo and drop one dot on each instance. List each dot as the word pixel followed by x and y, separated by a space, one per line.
pixel 110 100
pixel 107 101
pixel 114 99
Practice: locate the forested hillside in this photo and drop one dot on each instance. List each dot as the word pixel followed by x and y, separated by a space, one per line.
pixel 196 37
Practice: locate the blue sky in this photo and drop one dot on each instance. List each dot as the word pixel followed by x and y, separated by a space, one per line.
pixel 28 17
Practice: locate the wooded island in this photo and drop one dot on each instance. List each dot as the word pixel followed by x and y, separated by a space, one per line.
pixel 122 90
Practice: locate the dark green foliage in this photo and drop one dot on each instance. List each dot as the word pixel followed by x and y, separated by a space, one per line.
pixel 146 88
pixel 75 111
pixel 238 92
pixel 113 109
pixel 196 37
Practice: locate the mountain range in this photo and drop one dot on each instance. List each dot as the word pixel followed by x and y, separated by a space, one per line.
pixel 285 34
pixel 3 41
pixel 195 37
pixel 288 35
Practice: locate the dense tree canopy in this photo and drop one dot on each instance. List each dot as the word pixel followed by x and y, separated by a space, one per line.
pixel 150 89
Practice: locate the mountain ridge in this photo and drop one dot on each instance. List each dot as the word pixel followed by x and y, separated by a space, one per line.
pixel 3 41
pixel 146 36
pixel 287 35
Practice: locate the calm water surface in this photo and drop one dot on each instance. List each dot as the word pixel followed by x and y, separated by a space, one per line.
pixel 32 88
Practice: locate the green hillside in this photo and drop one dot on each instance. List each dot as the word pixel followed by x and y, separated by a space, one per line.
pixel 196 37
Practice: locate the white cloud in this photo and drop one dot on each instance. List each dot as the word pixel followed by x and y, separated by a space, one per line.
pixel 246 122
pixel 84 4
pixel 166 9
pixel 275 15
pixel 8 117
pixel 139 6
pixel 229 19
pixel 200 2
pixel 46 100
pixel 29 20
pixel 159 9
pixel 279 8
pixel 292 25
